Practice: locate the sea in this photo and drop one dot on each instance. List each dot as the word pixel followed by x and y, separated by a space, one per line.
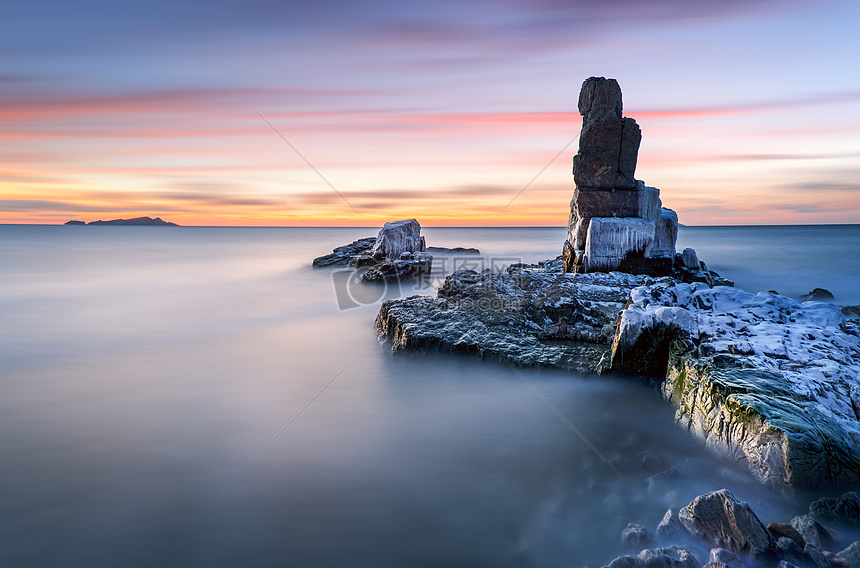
pixel 203 397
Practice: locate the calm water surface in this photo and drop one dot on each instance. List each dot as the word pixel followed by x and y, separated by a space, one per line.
pixel 152 377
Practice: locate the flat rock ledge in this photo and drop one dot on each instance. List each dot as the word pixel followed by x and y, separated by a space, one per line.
pixel 529 315
pixel 767 382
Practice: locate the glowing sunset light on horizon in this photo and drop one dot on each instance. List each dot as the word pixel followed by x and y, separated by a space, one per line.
pixel 446 126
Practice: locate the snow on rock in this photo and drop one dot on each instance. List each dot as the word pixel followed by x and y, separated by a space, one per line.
pixel 611 239
pixel 532 315
pixel 763 379
pixel 397 237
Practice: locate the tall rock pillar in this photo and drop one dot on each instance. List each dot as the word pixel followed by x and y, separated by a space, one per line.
pixel 616 222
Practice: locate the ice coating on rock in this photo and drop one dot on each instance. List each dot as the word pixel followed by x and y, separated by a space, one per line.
pixel 397 237
pixel 611 239
pixel 603 170
pixel 665 234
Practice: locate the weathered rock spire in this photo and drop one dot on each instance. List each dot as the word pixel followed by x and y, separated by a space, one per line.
pixel 616 222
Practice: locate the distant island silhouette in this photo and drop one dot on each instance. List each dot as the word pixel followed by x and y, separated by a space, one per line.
pixel 144 221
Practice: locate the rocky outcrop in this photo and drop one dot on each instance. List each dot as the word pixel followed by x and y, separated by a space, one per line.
pixel 347 255
pixel 531 315
pixel 73 222
pixel 765 381
pixel 614 217
pixel 397 237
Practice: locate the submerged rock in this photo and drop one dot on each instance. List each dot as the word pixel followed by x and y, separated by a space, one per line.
pixel 766 381
pixel 667 557
pixel 817 295
pixel 670 527
pixel 637 536
pixel 725 521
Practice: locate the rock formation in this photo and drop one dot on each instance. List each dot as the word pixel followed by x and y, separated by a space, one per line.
pixel 397 237
pixel 616 222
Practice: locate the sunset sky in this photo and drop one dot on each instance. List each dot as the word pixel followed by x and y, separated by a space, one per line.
pixel 440 110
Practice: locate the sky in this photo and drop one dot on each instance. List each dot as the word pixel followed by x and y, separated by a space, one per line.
pixel 456 113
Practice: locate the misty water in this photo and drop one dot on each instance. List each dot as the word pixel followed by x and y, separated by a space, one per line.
pixel 197 397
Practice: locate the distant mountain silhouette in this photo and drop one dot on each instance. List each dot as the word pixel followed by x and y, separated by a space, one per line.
pixel 145 221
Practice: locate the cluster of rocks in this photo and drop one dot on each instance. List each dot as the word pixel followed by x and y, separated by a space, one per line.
pixel 616 221
pixel 396 253
pixel 725 530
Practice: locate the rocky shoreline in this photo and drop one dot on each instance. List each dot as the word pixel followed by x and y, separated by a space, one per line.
pixel 723 529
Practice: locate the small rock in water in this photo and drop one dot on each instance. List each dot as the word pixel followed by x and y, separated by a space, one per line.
pixel 852 554
pixel 789 551
pixel 779 530
pixel 725 557
pixel 844 510
pixel 725 521
pixel 817 295
pixel 815 557
pixel 637 536
pixel 667 557
pixel 813 532
pixel 670 527
pixel 689 259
